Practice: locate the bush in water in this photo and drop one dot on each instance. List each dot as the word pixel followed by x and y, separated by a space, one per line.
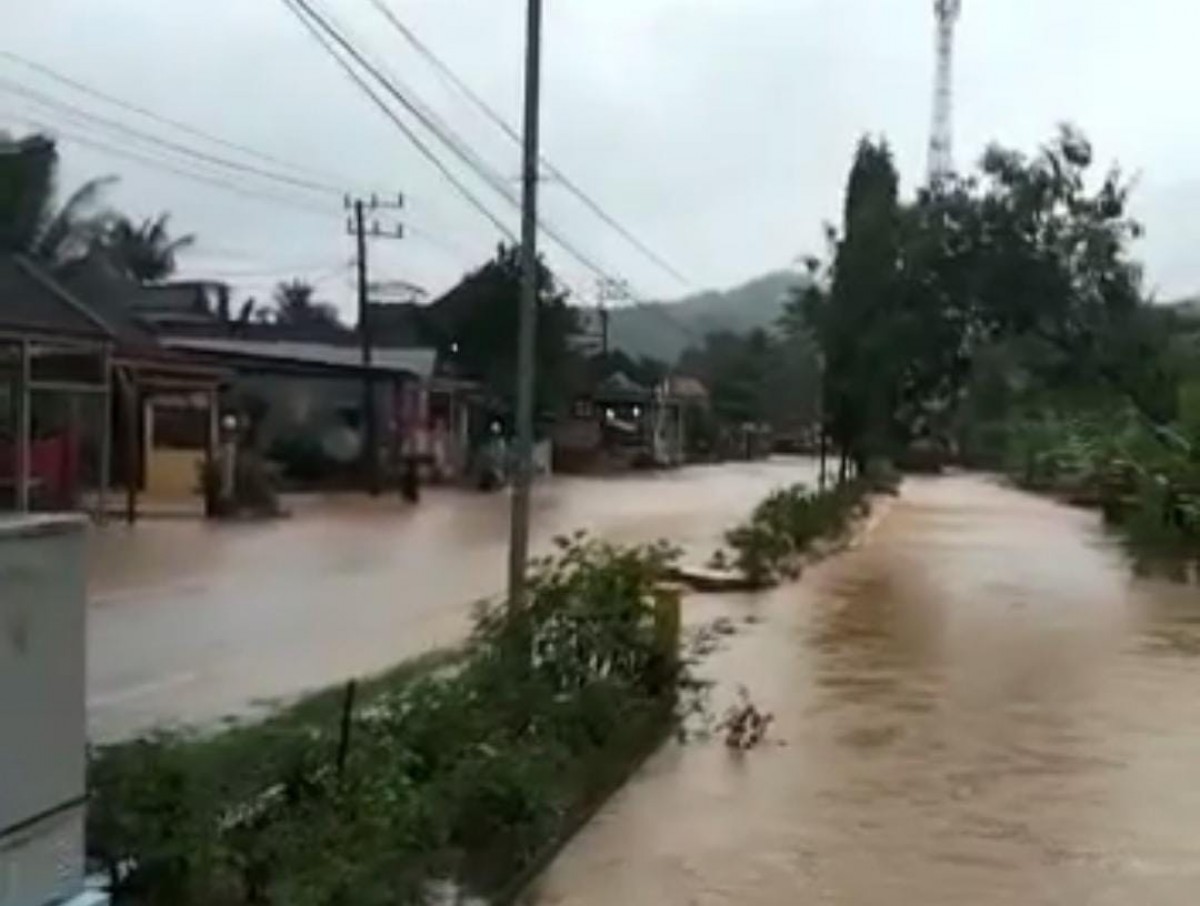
pixel 769 546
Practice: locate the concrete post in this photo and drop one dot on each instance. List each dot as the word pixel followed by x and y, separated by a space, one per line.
pixel 42 784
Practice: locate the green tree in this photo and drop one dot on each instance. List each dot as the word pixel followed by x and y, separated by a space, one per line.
pixel 30 221
pixel 853 316
pixel 145 251
pixel 757 378
pixel 296 305
pixel 476 324
pixel 1026 250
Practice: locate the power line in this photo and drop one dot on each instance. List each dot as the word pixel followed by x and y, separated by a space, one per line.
pixel 450 247
pixel 459 148
pixel 240 190
pixel 177 147
pixel 317 273
pixel 294 7
pixel 497 119
pixel 83 87
pixel 452 143
pixel 192 174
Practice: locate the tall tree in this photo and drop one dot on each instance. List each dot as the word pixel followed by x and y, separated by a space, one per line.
pixel 855 326
pixel 476 324
pixel 757 378
pixel 30 221
pixel 1027 250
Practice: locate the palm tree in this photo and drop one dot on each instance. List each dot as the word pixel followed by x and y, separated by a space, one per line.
pixel 29 221
pixel 295 304
pixel 144 251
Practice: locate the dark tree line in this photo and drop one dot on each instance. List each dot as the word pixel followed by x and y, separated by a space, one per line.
pixel 1025 248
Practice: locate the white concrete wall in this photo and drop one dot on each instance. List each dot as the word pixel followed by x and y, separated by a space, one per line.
pixel 42 715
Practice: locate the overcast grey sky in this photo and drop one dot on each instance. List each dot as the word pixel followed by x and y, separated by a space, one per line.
pixel 719 131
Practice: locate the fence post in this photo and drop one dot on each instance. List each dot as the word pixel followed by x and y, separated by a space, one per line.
pixel 668 622
pixel 343 749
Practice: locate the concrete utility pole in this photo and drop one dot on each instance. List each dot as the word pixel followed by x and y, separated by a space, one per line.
pixel 609 290
pixel 359 230
pixel 518 553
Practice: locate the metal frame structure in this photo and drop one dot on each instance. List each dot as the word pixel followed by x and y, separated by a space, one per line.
pixel 941 138
pixel 25 386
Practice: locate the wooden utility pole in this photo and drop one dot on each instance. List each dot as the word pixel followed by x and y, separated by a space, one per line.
pixel 359 228
pixel 518 553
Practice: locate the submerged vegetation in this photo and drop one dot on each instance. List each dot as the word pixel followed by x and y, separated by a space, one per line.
pixel 770 546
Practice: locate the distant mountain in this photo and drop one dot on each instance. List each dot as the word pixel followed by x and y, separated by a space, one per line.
pixel 664 330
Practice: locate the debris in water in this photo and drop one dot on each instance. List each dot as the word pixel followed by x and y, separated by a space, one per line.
pixel 744 725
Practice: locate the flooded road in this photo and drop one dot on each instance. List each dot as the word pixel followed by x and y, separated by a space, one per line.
pixel 190 621
pixel 978 705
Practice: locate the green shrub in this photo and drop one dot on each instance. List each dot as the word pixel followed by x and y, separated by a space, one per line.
pixel 255 487
pixel 461 773
pixel 302 458
pixel 770 545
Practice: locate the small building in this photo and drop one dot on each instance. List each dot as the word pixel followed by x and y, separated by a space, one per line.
pixel 164 418
pixel 620 424
pixel 306 400
pixel 54 392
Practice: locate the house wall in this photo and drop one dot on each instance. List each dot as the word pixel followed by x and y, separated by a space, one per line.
pixel 173 458
pixel 42 714
pixel 173 474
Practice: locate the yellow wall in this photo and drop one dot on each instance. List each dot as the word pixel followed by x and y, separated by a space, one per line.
pixel 173 474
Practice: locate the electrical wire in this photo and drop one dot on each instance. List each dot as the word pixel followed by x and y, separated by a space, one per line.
pixel 458 146
pixel 318 273
pixel 294 8
pixel 177 147
pixel 76 84
pixel 464 155
pixel 241 190
pixel 191 173
pixel 498 120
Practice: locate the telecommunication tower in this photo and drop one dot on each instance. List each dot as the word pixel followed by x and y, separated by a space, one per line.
pixel 941 139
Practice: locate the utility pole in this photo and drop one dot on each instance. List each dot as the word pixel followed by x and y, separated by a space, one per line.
pixel 360 230
pixel 518 553
pixel 609 290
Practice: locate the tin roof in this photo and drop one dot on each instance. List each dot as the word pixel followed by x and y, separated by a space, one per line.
pixel 413 362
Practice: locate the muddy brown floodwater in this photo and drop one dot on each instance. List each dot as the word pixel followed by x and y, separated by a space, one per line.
pixel 190 621
pixel 977 705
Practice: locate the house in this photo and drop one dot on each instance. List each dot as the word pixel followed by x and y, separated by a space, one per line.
pixel 295 384
pixel 91 399
pixel 620 424
pixel 166 404
pixel 307 399
pixel 198 307
pixel 54 366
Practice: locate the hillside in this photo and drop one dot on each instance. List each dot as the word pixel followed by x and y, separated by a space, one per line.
pixel 664 330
